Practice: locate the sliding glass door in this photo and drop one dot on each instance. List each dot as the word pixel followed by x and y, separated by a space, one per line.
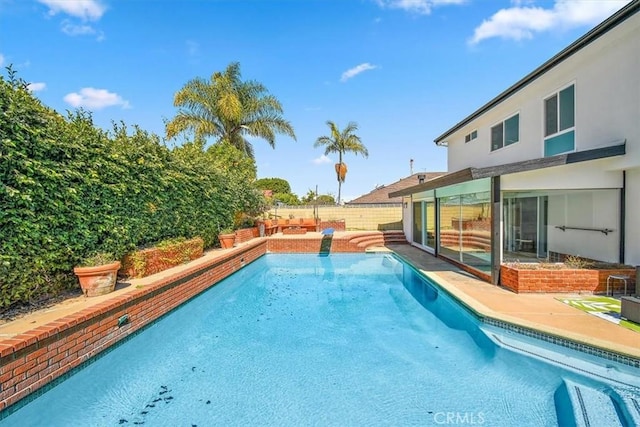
pixel 525 226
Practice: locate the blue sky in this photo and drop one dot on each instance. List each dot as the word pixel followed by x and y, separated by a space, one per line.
pixel 404 70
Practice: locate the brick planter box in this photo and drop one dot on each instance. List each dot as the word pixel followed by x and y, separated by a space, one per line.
pixel 561 280
pixel 146 262
pixel 246 234
pixel 294 230
pixel 337 225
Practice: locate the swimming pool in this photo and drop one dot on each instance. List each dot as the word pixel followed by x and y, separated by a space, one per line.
pixel 353 339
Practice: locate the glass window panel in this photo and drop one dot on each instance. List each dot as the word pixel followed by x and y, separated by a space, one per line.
pixel 474 134
pixel 497 133
pixel 551 115
pixel 467 138
pixel 449 236
pixel 512 130
pixel 567 108
pixel 431 224
pixel 417 222
pixel 559 144
pixel 476 230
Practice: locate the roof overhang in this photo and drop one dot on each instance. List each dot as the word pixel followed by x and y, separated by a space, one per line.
pixel 470 174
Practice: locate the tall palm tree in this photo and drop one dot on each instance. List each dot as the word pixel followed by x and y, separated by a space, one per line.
pixel 342 142
pixel 228 109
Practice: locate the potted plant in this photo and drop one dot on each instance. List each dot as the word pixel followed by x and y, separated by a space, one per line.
pixel 97 274
pixel 227 238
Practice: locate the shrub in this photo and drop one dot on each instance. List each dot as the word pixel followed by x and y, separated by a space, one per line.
pixel 69 190
pixel 574 261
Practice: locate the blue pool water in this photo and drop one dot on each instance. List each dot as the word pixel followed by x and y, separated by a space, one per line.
pixel 348 340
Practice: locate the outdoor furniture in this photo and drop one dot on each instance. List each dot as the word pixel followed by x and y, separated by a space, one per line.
pixel 630 308
pixel 308 224
pixel 614 277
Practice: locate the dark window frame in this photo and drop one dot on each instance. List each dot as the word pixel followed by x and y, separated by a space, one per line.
pixel 501 130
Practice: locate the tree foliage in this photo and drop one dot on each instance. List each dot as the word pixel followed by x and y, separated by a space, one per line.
pixel 228 109
pixel 277 185
pixel 69 190
pixel 341 142
pixel 322 199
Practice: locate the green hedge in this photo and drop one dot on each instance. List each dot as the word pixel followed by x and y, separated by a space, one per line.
pixel 69 189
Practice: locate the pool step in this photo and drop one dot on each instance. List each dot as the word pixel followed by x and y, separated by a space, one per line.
pixel 631 407
pixel 378 238
pixel 591 407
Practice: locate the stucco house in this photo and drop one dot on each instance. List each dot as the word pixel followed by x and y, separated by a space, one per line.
pixel 550 167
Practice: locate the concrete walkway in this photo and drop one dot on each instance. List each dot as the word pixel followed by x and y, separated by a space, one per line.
pixel 541 312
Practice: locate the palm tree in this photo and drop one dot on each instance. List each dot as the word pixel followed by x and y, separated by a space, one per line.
pixel 228 109
pixel 342 142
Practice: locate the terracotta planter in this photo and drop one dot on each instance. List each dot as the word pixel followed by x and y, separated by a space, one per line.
pixel 227 240
pixel 98 280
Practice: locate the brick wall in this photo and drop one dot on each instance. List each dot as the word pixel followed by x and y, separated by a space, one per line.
pixel 314 244
pixel 246 234
pixel 562 280
pixel 149 261
pixel 35 358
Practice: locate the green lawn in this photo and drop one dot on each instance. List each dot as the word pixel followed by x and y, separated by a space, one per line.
pixel 607 308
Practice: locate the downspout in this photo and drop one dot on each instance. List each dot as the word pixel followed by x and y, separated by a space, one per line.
pixel 623 203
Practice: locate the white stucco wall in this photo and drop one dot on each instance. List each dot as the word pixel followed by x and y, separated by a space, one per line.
pixel 593 174
pixel 407 218
pixel 607 90
pixel 587 209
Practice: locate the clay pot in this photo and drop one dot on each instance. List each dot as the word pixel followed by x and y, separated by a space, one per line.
pixel 98 280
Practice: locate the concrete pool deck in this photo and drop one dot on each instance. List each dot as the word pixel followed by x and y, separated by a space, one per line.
pixel 540 312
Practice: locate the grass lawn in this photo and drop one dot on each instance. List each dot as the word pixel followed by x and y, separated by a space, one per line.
pixel 607 308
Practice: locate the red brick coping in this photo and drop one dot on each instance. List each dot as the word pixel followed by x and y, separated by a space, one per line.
pixel 35 358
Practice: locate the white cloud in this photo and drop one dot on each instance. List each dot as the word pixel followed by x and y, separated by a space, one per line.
pixel 322 159
pixel 422 7
pixel 519 22
pixel 36 86
pixel 72 29
pixel 352 72
pixel 88 10
pixel 95 99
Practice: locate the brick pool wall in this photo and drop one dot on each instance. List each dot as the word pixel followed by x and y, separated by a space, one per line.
pixel 312 244
pixel 33 359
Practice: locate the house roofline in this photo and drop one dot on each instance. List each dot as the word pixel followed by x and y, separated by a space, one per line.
pixel 614 20
pixel 470 174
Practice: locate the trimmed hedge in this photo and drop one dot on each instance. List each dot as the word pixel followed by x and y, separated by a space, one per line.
pixel 69 189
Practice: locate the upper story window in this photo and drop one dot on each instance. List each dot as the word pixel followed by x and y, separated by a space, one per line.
pixel 471 136
pixel 505 133
pixel 559 111
pixel 559 122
